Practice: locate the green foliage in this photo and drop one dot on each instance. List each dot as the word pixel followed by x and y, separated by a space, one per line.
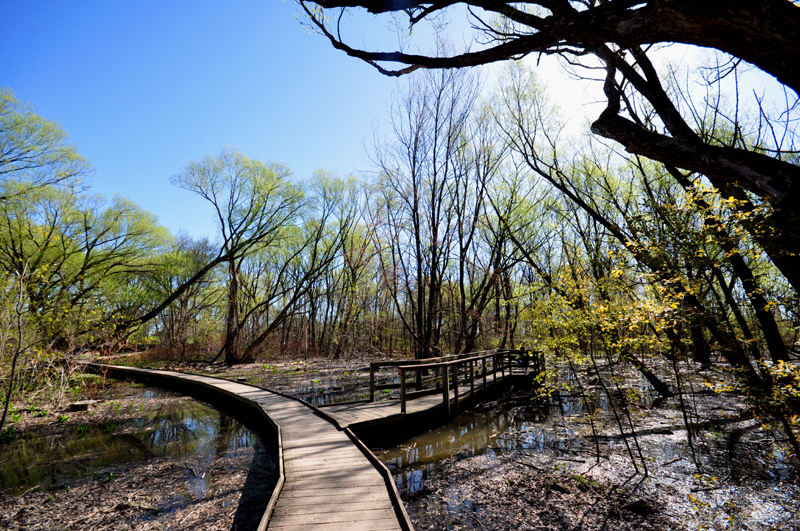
pixel 33 151
pixel 7 435
pixel 78 258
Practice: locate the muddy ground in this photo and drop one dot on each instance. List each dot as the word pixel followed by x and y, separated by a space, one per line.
pixel 501 490
pixel 146 493
pixel 518 491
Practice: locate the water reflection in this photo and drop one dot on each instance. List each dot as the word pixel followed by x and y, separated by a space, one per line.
pixel 192 433
pixel 537 428
pixel 561 428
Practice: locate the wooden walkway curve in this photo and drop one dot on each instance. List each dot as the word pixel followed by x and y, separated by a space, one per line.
pixel 360 414
pixel 329 481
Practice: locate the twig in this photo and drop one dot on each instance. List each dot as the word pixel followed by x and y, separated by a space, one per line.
pixel 528 465
pixel 82 518
pixel 27 491
pixel 568 459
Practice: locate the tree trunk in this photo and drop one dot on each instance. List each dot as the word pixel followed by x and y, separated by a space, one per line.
pixel 232 335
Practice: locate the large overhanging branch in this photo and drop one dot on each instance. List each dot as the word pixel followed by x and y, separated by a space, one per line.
pixel 765 33
pixel 773 178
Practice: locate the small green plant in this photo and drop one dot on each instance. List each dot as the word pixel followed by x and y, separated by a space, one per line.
pixel 107 427
pixel 320 391
pixel 110 477
pixel 16 417
pixel 363 395
pixel 7 435
pixel 316 381
pixel 585 483
pixel 82 429
pixel 62 419
pixel 387 391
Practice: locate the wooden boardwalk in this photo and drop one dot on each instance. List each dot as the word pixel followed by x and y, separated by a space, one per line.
pixel 360 414
pixel 329 480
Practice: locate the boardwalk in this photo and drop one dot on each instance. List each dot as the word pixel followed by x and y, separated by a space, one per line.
pixel 330 481
pixel 386 411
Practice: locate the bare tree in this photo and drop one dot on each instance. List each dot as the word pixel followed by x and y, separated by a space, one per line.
pixel 415 219
pixel 617 32
pixel 254 203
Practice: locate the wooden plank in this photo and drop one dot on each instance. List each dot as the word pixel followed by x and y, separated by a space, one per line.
pixel 388 524
pixel 331 507
pixel 346 496
pixel 329 484
pixel 338 483
pixel 287 519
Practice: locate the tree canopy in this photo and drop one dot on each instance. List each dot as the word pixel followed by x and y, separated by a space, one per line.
pixel 33 150
pixel 641 114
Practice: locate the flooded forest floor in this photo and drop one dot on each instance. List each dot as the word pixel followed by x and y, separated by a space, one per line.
pixel 123 456
pixel 532 463
pixel 508 470
pixel 527 463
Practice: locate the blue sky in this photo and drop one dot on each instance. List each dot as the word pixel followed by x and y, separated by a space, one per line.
pixel 144 87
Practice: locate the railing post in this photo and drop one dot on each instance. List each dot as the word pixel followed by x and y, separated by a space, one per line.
pixel 445 391
pixel 472 381
pixel 402 390
pixel 455 384
pixel 372 382
pixel 419 379
pixel 484 375
pixel 494 369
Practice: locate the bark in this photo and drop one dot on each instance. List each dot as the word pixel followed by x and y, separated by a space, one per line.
pixel 232 332
pixel 765 33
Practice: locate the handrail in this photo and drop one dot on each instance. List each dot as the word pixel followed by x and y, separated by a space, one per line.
pixel 440 359
pixel 500 357
pixel 454 362
pixel 427 363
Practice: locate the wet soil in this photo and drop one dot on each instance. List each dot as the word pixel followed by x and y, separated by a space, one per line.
pixel 527 465
pixel 519 490
pixel 137 458
pixel 511 493
pixel 538 465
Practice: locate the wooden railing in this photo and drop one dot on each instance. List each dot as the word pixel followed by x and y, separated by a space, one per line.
pixel 447 370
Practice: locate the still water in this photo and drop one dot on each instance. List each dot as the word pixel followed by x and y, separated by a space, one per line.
pixel 560 428
pixel 193 434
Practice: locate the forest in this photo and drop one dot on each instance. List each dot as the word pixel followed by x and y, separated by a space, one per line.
pixel 662 243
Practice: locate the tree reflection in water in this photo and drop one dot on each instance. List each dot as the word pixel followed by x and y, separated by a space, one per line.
pixel 208 442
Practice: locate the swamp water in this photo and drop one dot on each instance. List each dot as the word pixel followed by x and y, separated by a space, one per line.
pixel 740 465
pixel 205 441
